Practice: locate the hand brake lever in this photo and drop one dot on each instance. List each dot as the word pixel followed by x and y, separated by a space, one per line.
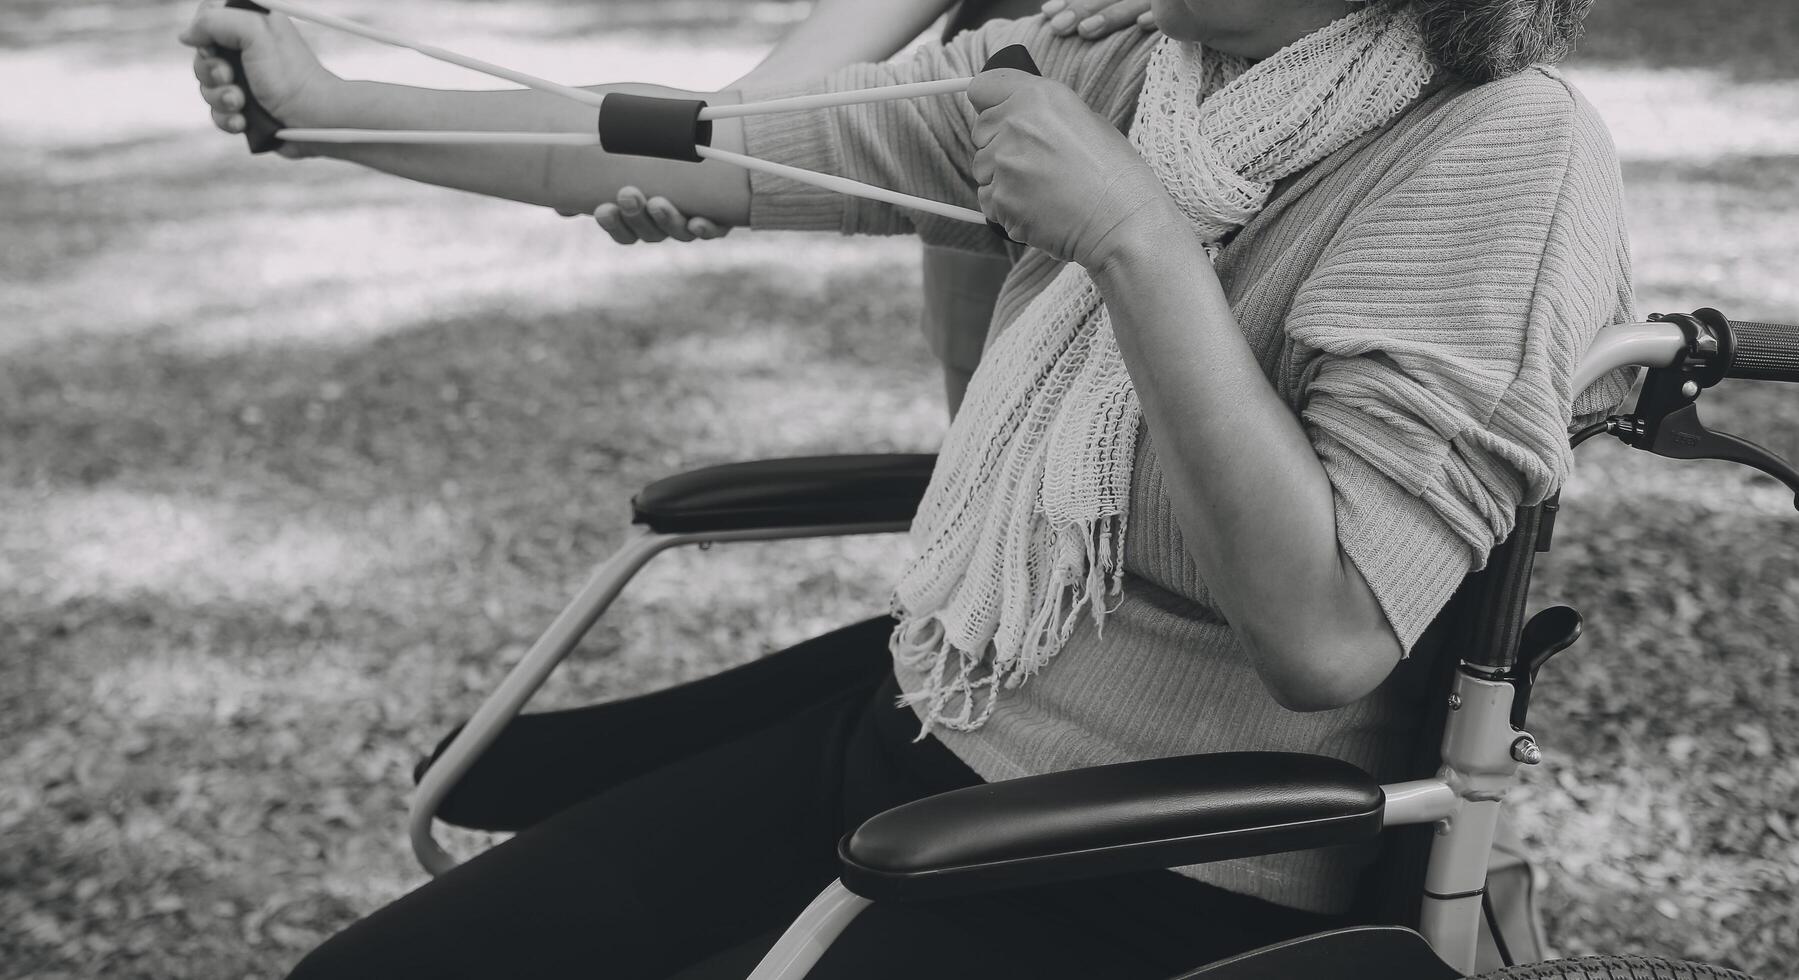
pixel 1666 419
pixel 1681 435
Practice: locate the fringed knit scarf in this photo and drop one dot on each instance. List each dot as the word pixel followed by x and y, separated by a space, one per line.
pixel 1022 528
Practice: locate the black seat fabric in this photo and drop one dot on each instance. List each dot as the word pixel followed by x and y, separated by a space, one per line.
pixel 802 491
pixel 1112 819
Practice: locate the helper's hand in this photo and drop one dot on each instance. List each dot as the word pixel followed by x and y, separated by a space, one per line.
pixel 635 219
pixel 1094 19
pixel 285 75
pixel 1056 174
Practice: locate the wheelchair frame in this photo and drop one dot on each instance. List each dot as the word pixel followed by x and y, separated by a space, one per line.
pixel 1482 748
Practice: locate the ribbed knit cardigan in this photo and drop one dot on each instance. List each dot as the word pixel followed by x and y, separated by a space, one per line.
pixel 1419 298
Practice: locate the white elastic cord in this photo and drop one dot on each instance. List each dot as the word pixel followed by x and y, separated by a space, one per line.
pixel 303 12
pixel 827 100
pixel 841 185
pixel 844 185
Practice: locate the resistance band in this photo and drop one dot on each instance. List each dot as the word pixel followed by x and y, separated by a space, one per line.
pixel 633 125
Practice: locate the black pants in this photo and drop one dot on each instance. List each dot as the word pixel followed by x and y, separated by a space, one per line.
pixel 688 857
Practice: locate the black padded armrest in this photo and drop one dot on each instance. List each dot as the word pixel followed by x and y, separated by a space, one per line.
pixel 802 491
pixel 1134 816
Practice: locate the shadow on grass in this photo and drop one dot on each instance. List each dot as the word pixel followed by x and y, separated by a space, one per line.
pixel 213 774
pixel 1767 181
pixel 438 397
pixel 1663 810
pixel 1745 39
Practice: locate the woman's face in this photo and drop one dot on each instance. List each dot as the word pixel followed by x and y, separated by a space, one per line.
pixel 1251 29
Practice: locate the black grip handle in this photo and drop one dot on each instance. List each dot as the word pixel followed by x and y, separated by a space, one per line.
pixel 1765 351
pixel 259 125
pixel 653 126
pixel 1011 56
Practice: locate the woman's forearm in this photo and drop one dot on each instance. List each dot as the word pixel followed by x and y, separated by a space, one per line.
pixel 570 179
pixel 844 32
pixel 1253 502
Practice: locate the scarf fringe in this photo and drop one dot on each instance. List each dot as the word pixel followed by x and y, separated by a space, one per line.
pixel 1087 573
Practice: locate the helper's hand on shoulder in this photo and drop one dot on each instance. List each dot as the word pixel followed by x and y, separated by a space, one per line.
pixel 637 219
pixel 1094 19
pixel 283 72
pixel 1056 174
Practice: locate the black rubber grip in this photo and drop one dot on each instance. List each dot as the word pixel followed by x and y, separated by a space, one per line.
pixel 1765 351
pixel 259 126
pixel 1013 56
pixel 1019 57
pixel 653 126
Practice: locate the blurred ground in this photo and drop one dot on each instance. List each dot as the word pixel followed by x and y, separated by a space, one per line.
pixel 294 461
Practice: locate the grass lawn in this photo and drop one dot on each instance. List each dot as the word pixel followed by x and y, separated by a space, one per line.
pixel 295 461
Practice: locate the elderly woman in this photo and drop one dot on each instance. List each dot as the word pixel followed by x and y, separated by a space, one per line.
pixel 1271 377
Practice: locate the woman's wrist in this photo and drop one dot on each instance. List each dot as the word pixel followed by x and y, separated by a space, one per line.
pixel 1153 237
pixel 323 101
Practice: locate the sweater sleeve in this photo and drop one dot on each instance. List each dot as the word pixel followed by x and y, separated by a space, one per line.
pixel 1438 338
pixel 918 146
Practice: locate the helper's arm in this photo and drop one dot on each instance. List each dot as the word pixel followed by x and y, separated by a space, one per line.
pixel 289 81
pixel 834 34
pixel 843 32
pixel 569 179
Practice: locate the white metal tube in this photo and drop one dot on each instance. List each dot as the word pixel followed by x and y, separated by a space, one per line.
pixel 1452 926
pixel 1417 801
pixel 1478 765
pixel 440 136
pixel 1646 344
pixel 500 707
pixel 844 185
pixel 523 681
pixel 827 100
pixel 319 17
pixel 799 948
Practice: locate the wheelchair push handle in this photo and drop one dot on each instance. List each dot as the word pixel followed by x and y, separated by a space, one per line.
pixel 1764 351
pixel 1707 349
pixel 260 125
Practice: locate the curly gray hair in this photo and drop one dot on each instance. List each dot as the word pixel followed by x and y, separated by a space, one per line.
pixel 1481 40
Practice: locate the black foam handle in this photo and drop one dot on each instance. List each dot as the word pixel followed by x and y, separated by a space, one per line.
pixel 1013 56
pixel 259 126
pixel 1019 57
pixel 1765 351
pixel 653 126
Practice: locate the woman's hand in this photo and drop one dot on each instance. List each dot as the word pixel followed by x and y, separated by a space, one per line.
pixel 283 72
pixel 1094 19
pixel 635 219
pixel 1057 175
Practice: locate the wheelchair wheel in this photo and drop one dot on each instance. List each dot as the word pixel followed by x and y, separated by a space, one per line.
pixel 1615 968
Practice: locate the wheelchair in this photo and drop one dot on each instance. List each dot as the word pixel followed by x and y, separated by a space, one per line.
pixel 1424 900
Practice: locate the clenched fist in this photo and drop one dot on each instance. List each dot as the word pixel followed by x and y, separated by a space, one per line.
pixel 1056 174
